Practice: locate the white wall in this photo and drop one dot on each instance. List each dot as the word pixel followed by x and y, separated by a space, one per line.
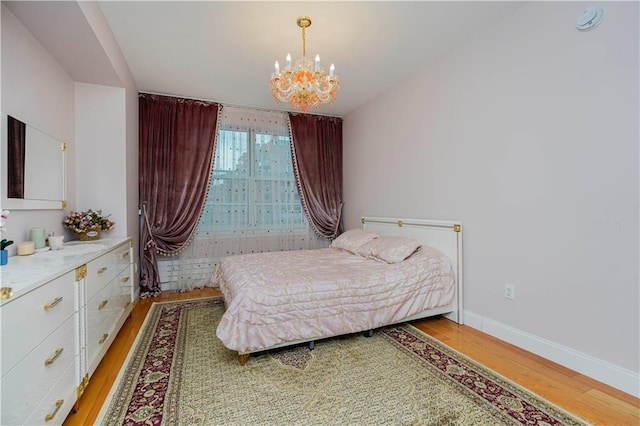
pixel 38 91
pixel 98 23
pixel 101 165
pixel 527 134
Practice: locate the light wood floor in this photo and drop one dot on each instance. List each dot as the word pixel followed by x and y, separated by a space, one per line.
pixel 593 401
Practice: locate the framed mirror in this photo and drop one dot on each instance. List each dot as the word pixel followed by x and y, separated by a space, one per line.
pixel 33 168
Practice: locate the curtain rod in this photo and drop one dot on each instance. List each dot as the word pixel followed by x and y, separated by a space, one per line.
pixel 236 105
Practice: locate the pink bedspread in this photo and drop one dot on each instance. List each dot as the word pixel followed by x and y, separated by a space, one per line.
pixel 279 297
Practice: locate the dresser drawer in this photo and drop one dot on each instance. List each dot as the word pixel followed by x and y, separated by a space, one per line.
pixel 101 318
pixel 105 268
pixel 99 340
pixel 28 319
pixel 123 289
pixel 25 385
pixel 56 404
pixel 100 309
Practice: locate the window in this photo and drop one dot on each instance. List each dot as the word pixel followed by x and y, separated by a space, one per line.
pixel 253 188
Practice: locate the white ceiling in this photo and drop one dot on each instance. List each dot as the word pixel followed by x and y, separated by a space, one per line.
pixel 64 32
pixel 224 50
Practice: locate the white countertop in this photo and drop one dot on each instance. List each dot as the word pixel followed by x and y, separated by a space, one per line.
pixel 25 273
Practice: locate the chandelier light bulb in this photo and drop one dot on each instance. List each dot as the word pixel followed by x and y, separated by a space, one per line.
pixel 306 84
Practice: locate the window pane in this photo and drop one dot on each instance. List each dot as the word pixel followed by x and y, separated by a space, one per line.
pixel 232 155
pixel 226 205
pixel 277 204
pixel 273 157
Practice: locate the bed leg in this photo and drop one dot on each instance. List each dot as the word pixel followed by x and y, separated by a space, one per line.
pixel 368 333
pixel 243 358
pixel 312 344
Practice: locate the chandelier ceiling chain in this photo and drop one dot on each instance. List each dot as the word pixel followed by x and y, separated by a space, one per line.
pixel 306 84
pixel 304 22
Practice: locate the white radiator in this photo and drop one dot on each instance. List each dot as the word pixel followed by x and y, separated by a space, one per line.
pixel 172 272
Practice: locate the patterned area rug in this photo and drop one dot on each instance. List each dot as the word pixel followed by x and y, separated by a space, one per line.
pixel 179 373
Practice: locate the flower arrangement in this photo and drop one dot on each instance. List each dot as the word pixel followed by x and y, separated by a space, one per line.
pixel 86 221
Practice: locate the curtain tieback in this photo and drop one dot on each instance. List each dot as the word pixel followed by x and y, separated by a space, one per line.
pixel 151 241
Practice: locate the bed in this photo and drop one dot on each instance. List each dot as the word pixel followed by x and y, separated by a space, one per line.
pixel 360 283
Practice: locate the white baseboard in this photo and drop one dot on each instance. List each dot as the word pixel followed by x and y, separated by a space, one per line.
pixel 620 378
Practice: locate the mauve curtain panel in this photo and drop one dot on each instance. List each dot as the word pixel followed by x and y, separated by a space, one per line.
pixel 317 158
pixel 177 142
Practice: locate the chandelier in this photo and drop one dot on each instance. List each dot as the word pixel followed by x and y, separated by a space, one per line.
pixel 305 85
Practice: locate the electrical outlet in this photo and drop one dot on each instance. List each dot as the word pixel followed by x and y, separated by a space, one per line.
pixel 509 291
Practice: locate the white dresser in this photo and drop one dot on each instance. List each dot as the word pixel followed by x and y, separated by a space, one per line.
pixel 59 312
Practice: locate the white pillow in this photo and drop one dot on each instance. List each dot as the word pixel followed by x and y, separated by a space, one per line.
pixel 352 239
pixel 389 249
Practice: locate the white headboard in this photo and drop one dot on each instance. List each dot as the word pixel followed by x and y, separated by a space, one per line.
pixel 446 236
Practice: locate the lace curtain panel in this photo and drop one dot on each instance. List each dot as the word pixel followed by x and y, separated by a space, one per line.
pixel 253 204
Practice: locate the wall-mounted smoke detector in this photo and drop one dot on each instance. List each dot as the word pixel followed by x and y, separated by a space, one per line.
pixel 590 18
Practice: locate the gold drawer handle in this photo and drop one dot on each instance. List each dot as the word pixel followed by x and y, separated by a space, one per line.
pixel 102 270
pixel 50 416
pixel 125 279
pixel 55 356
pixel 103 338
pixel 125 254
pixel 102 304
pixel 6 293
pixel 53 304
